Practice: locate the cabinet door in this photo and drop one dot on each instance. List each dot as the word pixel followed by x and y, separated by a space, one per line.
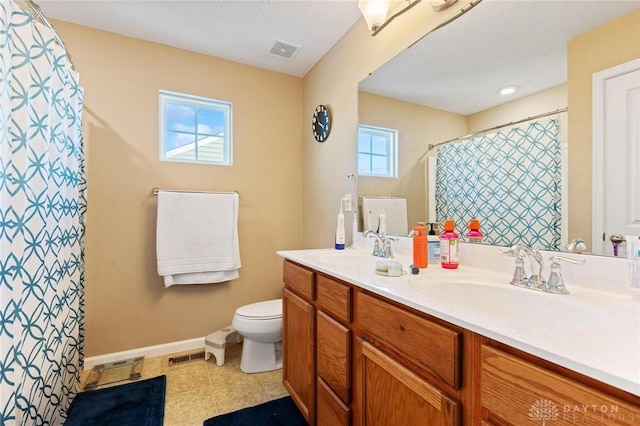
pixel 298 351
pixel 522 393
pixel 394 395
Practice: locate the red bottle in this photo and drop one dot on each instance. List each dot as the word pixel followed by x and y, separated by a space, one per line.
pixel 449 246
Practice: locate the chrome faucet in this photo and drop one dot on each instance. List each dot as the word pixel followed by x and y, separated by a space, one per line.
pixel 382 246
pixel 535 281
pixel 576 245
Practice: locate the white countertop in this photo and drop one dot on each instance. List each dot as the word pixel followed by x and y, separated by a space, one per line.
pixel 593 332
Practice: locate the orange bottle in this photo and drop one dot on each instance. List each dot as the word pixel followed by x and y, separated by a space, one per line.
pixel 420 247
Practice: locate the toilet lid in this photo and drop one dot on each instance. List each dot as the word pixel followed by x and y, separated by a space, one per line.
pixel 269 309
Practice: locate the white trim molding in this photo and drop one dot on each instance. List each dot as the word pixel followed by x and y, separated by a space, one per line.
pixel 147 352
pixel 599 80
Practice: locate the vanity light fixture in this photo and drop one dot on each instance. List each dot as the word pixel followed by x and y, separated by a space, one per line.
pixel 378 13
pixel 507 90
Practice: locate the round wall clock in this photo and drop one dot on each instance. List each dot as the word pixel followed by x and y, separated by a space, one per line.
pixel 321 123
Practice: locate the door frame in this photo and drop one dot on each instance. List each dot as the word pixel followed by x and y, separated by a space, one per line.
pixel 598 140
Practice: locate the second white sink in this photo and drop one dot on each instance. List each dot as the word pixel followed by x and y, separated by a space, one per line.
pixel 510 302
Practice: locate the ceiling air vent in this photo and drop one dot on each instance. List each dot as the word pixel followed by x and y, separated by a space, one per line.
pixel 284 49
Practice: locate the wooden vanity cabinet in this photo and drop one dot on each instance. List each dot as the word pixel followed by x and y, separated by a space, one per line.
pixel 356 358
pixel 298 337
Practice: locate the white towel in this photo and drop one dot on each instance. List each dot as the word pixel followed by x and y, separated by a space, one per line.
pixel 197 237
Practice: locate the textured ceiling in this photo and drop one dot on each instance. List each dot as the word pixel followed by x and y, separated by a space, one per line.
pixel 242 31
pixel 461 67
pixel 458 68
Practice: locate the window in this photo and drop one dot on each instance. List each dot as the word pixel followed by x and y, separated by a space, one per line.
pixel 194 129
pixel 377 151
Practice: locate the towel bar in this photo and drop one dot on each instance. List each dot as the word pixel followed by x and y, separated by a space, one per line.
pixel 155 191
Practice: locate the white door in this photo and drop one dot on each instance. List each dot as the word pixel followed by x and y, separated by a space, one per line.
pixel 616 155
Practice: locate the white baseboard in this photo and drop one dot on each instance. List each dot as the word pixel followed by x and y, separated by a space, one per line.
pixel 147 352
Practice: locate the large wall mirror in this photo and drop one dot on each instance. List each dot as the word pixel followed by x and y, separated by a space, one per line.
pixel 447 85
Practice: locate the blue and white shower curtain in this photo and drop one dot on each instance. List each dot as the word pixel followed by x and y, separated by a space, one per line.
pixel 42 225
pixel 509 180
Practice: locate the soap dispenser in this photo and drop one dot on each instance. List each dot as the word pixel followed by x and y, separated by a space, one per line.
pixel 433 244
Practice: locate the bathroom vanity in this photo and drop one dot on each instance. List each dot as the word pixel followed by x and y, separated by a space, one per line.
pixel 362 349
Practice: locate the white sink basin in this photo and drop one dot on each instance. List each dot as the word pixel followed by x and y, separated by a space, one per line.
pixel 511 302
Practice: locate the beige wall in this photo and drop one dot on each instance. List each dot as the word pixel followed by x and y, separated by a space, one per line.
pixel 537 103
pixel 611 44
pixel 127 305
pixel 334 82
pixel 418 126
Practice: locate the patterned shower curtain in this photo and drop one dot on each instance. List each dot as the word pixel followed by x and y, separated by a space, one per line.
pixel 509 180
pixel 42 223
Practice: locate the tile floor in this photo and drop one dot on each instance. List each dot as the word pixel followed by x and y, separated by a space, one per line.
pixel 198 390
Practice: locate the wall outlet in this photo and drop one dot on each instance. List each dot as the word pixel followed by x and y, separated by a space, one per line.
pixel 346 203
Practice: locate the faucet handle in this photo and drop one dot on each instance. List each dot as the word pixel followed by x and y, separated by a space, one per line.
pixel 519 277
pixel 387 251
pixel 513 251
pixel 376 248
pixel 555 283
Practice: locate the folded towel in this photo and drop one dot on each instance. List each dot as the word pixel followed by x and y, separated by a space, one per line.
pixel 197 237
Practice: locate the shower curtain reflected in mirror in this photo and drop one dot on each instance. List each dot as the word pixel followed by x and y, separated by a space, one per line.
pixel 42 225
pixel 510 180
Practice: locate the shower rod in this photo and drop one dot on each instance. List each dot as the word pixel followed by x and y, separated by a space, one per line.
pixel 37 14
pixel 460 138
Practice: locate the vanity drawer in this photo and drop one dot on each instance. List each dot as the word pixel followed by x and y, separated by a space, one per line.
pixel 299 279
pixel 334 298
pixel 519 392
pixel 429 345
pixel 333 355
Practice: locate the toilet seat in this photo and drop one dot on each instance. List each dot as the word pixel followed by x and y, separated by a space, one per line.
pixel 269 309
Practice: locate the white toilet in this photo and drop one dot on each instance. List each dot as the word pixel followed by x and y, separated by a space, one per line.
pixel 261 326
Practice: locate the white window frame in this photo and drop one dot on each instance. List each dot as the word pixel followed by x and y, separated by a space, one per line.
pixel 392 149
pixel 174 98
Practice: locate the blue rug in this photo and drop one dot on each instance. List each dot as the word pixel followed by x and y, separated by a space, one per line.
pixel 280 412
pixel 134 404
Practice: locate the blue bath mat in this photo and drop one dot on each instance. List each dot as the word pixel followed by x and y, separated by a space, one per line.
pixel 280 412
pixel 134 404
